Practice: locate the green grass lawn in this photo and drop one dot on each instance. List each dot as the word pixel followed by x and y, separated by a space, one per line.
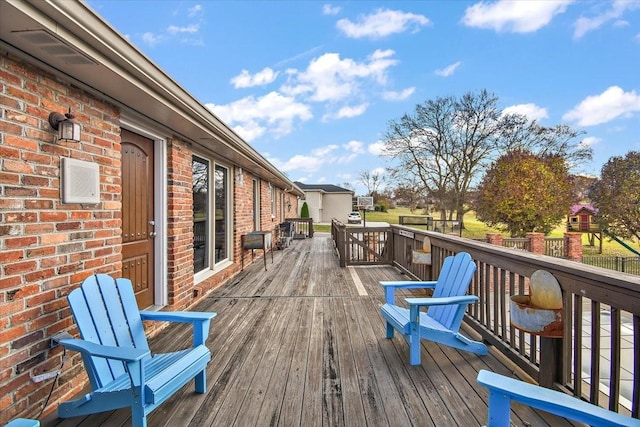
pixel 475 229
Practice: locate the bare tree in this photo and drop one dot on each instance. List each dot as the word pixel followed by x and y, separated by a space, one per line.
pixel 347 185
pixel 444 144
pixel 372 181
pixel 448 142
pixel 518 133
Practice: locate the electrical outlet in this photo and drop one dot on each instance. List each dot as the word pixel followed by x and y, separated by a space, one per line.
pixel 55 340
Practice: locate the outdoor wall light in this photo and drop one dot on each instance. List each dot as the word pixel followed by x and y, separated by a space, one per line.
pixel 67 130
pixel 288 205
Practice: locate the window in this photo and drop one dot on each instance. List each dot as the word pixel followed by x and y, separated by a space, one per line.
pixel 256 204
pixel 210 213
pixel 272 190
pixel 222 202
pixel 200 214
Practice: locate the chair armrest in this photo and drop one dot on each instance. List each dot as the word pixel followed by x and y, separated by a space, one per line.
pixel 200 321
pixel 427 302
pixel 126 354
pixel 177 316
pixel 408 284
pixel 391 286
pixel 504 389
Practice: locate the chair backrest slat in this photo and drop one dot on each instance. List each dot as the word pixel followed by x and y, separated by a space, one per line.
pixel 107 314
pixel 132 314
pixel 454 279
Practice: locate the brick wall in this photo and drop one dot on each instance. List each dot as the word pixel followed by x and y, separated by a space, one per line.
pixel 180 225
pixel 46 247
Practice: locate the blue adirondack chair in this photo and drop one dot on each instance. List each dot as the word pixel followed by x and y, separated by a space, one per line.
pixel 502 390
pixel 116 355
pixel 441 322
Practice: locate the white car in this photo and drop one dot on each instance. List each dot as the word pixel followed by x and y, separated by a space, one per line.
pixel 354 218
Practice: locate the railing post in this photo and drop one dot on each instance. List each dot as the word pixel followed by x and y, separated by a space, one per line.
pixel 342 244
pixel 536 243
pixel 495 239
pixel 573 246
pixel 551 355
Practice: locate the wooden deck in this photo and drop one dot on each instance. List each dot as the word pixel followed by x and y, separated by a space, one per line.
pixel 304 344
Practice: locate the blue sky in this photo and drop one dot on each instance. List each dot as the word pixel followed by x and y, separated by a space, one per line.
pixel 312 85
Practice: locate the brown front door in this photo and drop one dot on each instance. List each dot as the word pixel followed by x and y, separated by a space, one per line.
pixel 137 215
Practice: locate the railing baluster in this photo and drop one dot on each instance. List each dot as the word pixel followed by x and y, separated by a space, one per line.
pixel 577 350
pixel 502 304
pixel 614 364
pixel 635 406
pixel 594 373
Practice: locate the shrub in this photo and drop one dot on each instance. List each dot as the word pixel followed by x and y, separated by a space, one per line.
pixel 304 211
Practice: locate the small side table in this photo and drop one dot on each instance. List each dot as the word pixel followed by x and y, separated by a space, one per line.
pixel 257 240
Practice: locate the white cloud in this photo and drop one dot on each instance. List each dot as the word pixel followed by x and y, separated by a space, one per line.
pixel 189 29
pixel 273 112
pixel 300 162
pixel 377 148
pixel 513 16
pixel 348 158
pixel 347 111
pixel 447 71
pixel 194 11
pixel 531 111
pixel 244 79
pixel 382 23
pixel 329 9
pixel 331 78
pixel 590 141
pixel 379 171
pixel 324 151
pixel 151 39
pixel 609 105
pixel 250 130
pixel 314 162
pixel 618 8
pixel 354 146
pixel 180 33
pixel 320 158
pixel 398 96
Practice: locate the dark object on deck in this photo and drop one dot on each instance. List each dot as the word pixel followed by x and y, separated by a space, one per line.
pixel 257 240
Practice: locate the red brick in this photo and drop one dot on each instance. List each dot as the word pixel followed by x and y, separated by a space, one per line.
pixel 8 152
pixel 57 216
pixel 20 242
pixel 19 267
pixel 38 228
pixel 12 333
pixel 21 143
pixel 18 167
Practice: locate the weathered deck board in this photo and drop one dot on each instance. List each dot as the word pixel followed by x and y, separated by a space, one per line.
pixel 303 343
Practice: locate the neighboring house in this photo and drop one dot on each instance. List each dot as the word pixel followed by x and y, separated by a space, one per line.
pixel 326 201
pixel 156 188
